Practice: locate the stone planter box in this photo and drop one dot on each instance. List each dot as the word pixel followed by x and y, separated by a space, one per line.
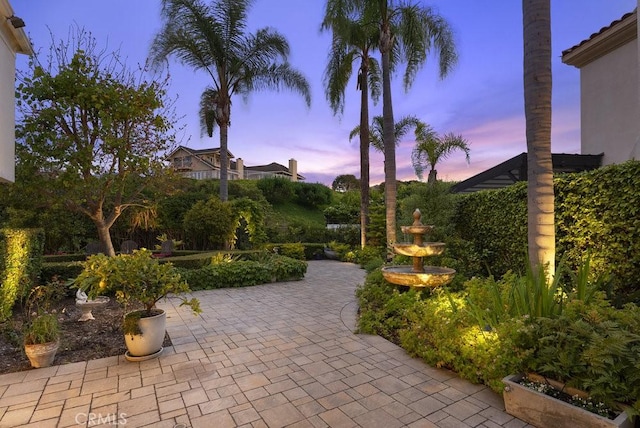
pixel 544 411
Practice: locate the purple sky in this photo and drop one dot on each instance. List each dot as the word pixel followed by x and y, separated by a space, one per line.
pixel 482 99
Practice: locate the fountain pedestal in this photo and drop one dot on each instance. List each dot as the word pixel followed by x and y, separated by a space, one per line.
pixel 418 275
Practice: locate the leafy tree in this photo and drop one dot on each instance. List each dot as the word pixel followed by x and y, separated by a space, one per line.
pixel 376 132
pixel 345 183
pixel 353 41
pixel 277 190
pixel 312 195
pixel 249 223
pixel 408 33
pixel 536 16
pixel 91 132
pixel 214 39
pixel 210 224
pixel 432 148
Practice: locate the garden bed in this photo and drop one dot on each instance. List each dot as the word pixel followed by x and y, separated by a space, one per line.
pixel 79 341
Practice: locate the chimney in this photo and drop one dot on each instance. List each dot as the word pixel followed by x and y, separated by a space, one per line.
pixel 293 169
pixel 240 168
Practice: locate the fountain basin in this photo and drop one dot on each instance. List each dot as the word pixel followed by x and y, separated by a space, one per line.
pixel 433 276
pixel 87 306
pixel 413 250
pixel 419 229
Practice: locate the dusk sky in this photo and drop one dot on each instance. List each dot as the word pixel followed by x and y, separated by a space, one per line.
pixel 482 99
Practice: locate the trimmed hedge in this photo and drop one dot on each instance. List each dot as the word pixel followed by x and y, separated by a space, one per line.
pixel 597 212
pixel 20 265
pixel 243 273
pixel 63 270
pixel 495 222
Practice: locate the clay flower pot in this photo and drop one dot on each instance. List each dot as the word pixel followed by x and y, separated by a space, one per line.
pixel 41 354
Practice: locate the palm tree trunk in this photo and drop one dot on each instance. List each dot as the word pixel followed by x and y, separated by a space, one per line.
pixel 432 177
pixel 224 160
pixel 364 155
pixel 388 138
pixel 537 99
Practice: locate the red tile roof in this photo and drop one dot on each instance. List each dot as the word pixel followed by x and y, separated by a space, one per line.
pixel 602 30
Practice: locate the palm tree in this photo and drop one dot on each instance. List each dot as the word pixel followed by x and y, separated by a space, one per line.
pixel 214 38
pixel 408 33
pixel 536 17
pixel 376 132
pixel 432 148
pixel 353 41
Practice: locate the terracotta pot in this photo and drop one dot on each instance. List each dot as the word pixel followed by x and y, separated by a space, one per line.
pixel 41 354
pixel 544 411
pixel 149 343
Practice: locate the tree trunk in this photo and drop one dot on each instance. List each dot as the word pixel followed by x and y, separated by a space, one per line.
pixel 537 100
pixel 105 237
pixel 388 138
pixel 432 176
pixel 364 154
pixel 224 160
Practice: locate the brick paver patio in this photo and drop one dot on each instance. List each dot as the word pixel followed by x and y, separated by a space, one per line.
pixel 273 355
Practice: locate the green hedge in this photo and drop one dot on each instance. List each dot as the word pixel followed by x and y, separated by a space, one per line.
pixel 495 222
pixel 61 270
pixel 597 212
pixel 20 265
pixel 243 273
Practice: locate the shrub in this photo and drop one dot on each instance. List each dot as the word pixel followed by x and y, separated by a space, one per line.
pixel 311 195
pixel 597 212
pixel 369 256
pixel 64 270
pixel 276 190
pixel 243 273
pixel 590 347
pixel 20 265
pixel 209 224
pixel 295 251
pixel 287 269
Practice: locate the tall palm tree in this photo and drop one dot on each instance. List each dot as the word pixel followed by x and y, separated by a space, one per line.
pixel 408 32
pixel 536 16
pixel 214 38
pixel 352 44
pixel 432 148
pixel 376 132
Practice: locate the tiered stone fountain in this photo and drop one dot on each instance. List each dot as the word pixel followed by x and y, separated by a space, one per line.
pixel 418 275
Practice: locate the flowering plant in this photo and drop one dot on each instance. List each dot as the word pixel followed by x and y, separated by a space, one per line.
pixel 578 400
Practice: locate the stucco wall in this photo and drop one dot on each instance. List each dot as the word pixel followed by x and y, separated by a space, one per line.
pixel 610 111
pixel 7 111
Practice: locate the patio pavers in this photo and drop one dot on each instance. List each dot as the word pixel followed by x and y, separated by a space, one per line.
pixel 273 355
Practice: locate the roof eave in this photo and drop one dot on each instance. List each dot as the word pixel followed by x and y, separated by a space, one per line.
pixel 603 43
pixel 15 37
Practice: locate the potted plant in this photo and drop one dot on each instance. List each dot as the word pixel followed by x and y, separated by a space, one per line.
pixel 141 280
pixel 41 330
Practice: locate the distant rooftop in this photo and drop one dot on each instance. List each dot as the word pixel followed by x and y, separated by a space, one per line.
pixel 515 169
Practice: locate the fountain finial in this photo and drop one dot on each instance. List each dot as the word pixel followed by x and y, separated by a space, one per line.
pixel 416 218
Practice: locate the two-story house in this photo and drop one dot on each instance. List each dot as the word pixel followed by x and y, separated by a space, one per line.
pixel 202 164
pixel 609 90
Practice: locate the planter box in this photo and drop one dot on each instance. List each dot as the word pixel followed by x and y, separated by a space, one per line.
pixel 544 411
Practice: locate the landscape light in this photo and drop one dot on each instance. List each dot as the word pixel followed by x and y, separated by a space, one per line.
pixel 16 21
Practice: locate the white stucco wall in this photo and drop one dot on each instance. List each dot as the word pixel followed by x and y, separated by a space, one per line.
pixel 610 107
pixel 7 111
pixel 12 41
